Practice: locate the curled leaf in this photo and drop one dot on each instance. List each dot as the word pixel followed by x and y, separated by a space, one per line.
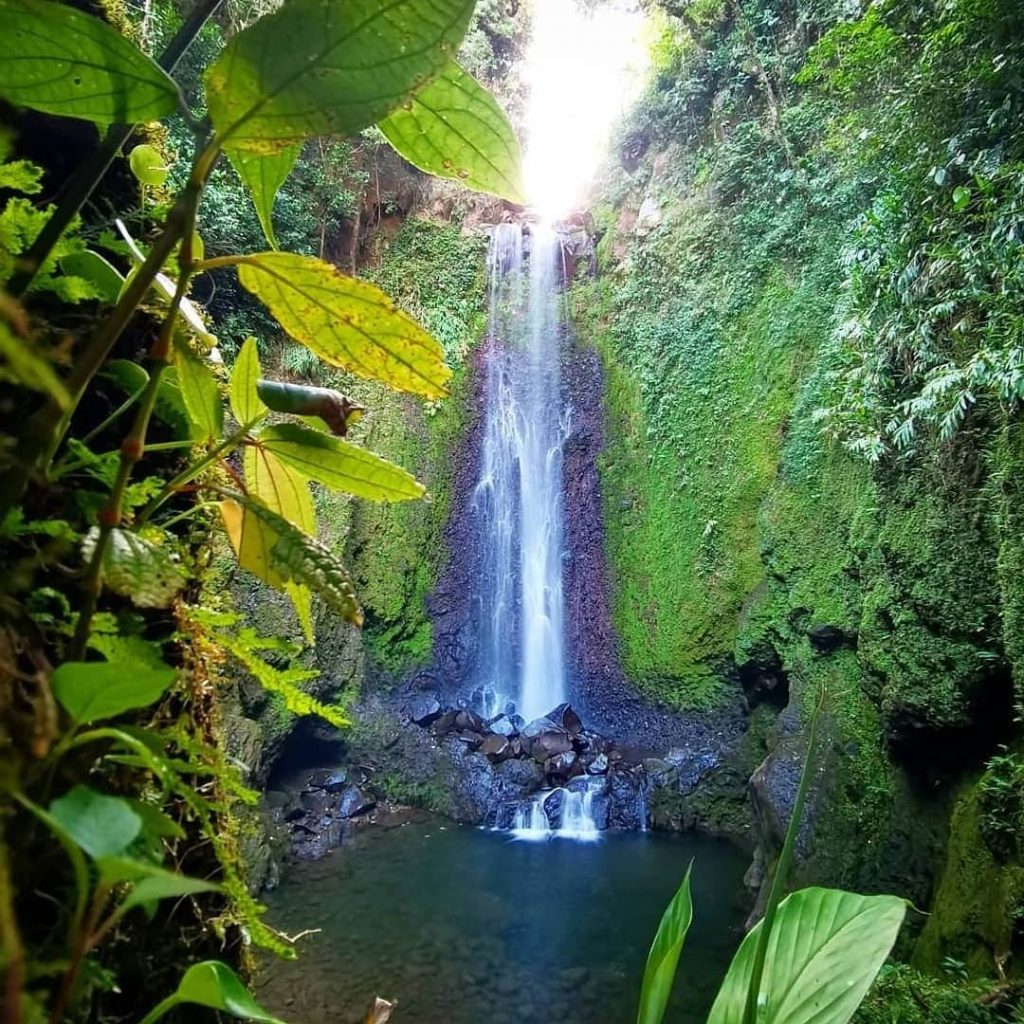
pixel 338 411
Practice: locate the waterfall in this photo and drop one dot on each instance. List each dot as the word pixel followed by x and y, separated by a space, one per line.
pixel 566 813
pixel 518 497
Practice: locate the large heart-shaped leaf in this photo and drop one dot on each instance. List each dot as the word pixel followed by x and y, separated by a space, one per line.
pixel 56 59
pixel 338 464
pixel 454 128
pixel 328 68
pixel 824 951
pixel 263 174
pixel 103 826
pixel 93 690
pixel 668 942
pixel 287 493
pixel 246 403
pixel 346 322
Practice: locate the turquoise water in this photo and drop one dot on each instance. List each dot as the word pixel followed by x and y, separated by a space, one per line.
pixel 464 926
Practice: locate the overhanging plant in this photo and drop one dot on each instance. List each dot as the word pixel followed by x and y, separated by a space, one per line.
pixel 311 68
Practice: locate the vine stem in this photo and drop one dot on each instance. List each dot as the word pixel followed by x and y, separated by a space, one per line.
pixel 90 174
pixel 10 942
pixel 134 444
pixel 83 943
pixel 782 868
pixel 46 427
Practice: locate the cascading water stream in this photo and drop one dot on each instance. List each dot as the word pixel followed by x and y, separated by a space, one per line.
pixel 518 498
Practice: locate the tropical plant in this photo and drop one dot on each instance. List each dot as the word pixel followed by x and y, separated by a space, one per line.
pixel 308 70
pixel 810 960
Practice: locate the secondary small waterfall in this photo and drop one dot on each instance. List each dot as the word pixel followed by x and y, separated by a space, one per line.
pixel 567 813
pixel 518 497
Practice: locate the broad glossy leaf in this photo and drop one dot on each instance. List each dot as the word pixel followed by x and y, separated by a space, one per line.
pixel 668 942
pixel 286 492
pixel 215 985
pixel 346 322
pixel 103 826
pixel 263 174
pixel 823 954
pixel 317 67
pixel 245 374
pixel 338 464
pixel 56 59
pixel 454 128
pixel 200 391
pixel 93 690
pixel 136 567
pixel 148 165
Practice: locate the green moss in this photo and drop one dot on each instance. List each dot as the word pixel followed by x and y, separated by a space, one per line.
pixel 979 903
pixel 902 995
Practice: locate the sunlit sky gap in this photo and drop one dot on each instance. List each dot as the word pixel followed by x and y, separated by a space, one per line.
pixel 583 70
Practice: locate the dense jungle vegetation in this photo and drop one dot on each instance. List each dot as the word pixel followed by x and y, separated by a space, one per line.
pixel 237 330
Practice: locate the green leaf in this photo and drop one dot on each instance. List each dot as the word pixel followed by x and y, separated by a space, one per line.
pixel 315 68
pixel 21 176
pixel 668 942
pixel 263 175
pixel 454 128
pixel 94 690
pixel 287 493
pixel 338 464
pixel 151 882
pixel 823 954
pixel 56 59
pixel 22 364
pixel 216 986
pixel 92 267
pixel 137 567
pixel 103 826
pixel 245 400
pixel 961 197
pixel 148 165
pixel 200 392
pixel 277 551
pixel 346 322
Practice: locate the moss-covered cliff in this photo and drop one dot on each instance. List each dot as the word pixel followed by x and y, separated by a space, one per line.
pixel 807 477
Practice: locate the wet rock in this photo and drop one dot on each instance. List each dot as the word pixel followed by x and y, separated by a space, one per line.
pixel 472 740
pixel 353 802
pixel 293 810
pixel 330 779
pixel 598 766
pixel 496 748
pixel 312 845
pixel 534 729
pixel 560 765
pixel 472 783
pixel 565 717
pixel 554 805
pixel 316 801
pixel 425 710
pixel 445 723
pixel 548 744
pixel 502 726
pixel 470 721
pixel 626 807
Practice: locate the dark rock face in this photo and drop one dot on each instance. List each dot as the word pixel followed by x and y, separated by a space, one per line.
pixel 353 802
pixel 425 710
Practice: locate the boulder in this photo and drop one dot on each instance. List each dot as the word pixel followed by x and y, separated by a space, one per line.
pixel 548 744
pixel 560 765
pixel 565 717
pixel 502 726
pixel 598 765
pixel 473 783
pixel 353 802
pixel 473 740
pixel 554 804
pixel 470 721
pixel 534 729
pixel 316 801
pixel 425 710
pixel 496 747
pixel 445 723
pixel 626 804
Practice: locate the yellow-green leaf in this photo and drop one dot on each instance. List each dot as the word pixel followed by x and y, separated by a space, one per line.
pixel 263 175
pixel 253 542
pixel 454 128
pixel 323 68
pixel 148 165
pixel 338 464
pixel 346 322
pixel 200 392
pixel 245 400
pixel 286 492
pixel 61 61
